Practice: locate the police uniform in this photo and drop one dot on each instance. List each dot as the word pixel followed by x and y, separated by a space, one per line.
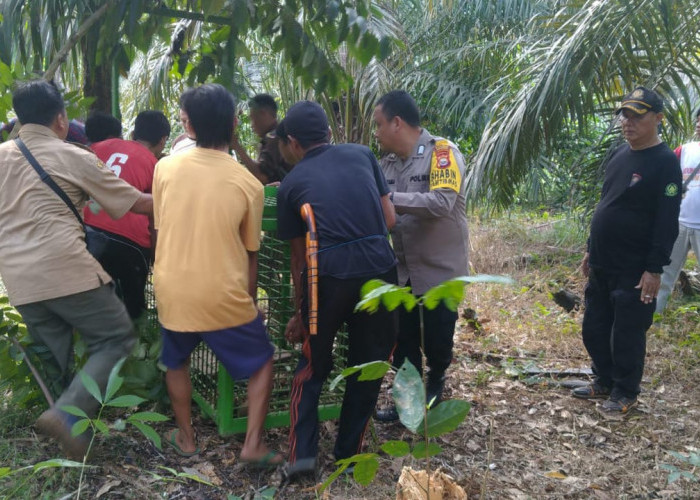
pixel 431 242
pixel 50 276
pixel 270 159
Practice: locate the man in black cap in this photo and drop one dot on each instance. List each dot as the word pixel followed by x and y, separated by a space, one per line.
pixel 349 197
pixel 632 233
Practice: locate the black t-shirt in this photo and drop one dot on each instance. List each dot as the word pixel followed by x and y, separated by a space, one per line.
pixel 636 221
pixel 344 184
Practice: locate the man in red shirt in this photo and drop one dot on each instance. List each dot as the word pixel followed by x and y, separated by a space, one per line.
pixel 128 253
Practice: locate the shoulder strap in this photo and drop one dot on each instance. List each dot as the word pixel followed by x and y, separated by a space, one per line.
pixel 47 179
pixel 690 178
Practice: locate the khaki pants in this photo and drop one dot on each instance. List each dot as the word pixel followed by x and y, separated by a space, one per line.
pixel 687 238
pixel 103 323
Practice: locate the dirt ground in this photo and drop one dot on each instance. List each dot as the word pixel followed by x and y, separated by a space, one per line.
pixel 525 437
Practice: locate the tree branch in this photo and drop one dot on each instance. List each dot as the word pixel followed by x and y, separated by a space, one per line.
pixel 62 54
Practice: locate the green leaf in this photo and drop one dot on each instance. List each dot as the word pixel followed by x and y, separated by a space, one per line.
pixel 56 462
pixel 115 381
pixel 149 432
pixel 373 370
pixel 268 493
pixel 391 296
pixel 420 450
pixel 360 457
pixel 148 416
pixel 79 427
pixel 74 410
pixel 125 401
pixel 309 55
pixel 101 426
pixel 365 471
pixel 409 396
pixel 14 316
pixel 396 448
pixel 91 385
pixel 5 471
pixel 446 416
pixel 336 473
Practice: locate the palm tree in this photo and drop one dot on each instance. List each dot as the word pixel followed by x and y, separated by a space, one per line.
pixel 578 62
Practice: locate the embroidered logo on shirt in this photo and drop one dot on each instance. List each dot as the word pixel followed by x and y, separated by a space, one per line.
pixel 635 179
pixel 671 190
pixel 444 172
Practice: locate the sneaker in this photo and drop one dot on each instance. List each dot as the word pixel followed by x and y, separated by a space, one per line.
pixel 57 425
pixel 618 405
pixel 591 391
pixel 389 414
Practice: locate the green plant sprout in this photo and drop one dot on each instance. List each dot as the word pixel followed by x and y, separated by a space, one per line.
pixel 109 399
pixel 674 473
pixel 408 390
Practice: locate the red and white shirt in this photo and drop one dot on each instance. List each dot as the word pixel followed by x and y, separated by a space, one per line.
pixel 134 163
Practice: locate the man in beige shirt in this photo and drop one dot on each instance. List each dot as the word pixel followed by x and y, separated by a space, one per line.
pixel 51 278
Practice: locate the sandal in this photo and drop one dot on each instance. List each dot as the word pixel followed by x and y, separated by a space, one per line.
pixel 171 439
pixel 264 462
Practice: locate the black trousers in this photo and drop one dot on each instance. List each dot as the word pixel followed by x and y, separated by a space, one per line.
pixel 614 329
pixel 128 265
pixel 371 338
pixel 439 334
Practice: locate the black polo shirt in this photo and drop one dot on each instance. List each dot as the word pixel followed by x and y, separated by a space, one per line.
pixel 344 184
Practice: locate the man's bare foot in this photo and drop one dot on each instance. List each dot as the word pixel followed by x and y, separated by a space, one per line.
pixel 261 456
pixel 182 444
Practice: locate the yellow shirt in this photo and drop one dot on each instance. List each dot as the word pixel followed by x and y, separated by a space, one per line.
pixel 42 245
pixel 208 212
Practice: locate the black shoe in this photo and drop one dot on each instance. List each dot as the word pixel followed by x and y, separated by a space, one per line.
pixel 591 391
pixel 433 390
pixel 389 414
pixel 618 405
pixel 301 467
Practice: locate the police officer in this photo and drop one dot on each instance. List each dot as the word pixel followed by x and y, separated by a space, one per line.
pixel 425 174
pixel 270 166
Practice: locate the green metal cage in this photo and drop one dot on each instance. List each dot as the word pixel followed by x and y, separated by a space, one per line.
pixel 222 398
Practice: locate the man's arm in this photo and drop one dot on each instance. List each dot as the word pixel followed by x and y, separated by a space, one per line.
pixel 389 211
pixel 247 161
pixel 143 205
pixel 296 331
pixel 445 185
pixel 664 232
pixel 253 275
pixel 437 203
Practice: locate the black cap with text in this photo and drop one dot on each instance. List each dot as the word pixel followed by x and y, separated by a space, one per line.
pixel 641 100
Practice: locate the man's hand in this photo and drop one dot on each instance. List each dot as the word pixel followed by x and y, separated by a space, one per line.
pixel 296 330
pixel 235 143
pixel 585 270
pixel 649 285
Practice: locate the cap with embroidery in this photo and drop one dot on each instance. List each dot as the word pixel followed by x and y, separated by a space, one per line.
pixel 641 100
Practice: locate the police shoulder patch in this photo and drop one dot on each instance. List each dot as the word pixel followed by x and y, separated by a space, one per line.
pixel 671 190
